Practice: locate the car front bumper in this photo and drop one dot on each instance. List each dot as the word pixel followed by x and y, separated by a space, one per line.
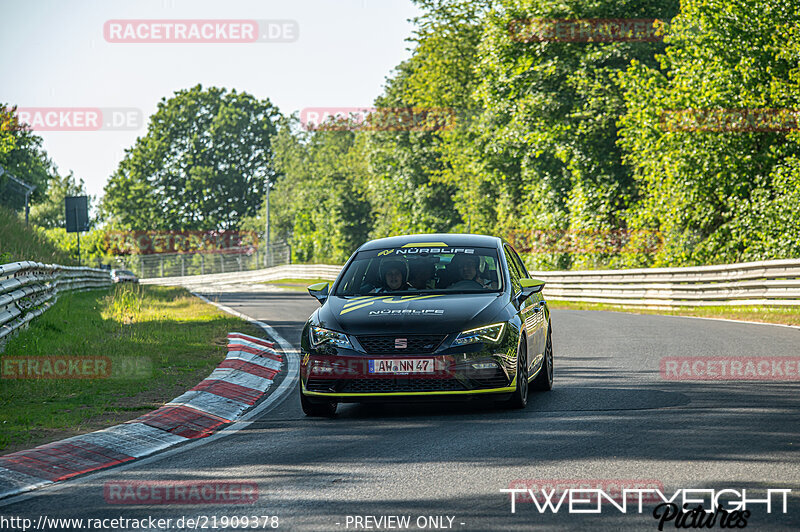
pixel 468 372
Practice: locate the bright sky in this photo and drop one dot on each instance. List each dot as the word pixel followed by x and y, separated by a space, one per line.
pixel 53 54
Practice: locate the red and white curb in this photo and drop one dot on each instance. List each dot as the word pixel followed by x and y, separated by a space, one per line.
pixel 239 382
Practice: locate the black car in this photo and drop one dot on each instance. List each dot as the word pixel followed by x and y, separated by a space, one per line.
pixel 448 316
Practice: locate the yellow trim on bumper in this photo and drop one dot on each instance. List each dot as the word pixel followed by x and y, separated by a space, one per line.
pixel 510 388
pixel 404 394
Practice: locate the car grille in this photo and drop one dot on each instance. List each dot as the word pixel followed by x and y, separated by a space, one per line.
pixel 497 381
pixel 400 385
pixel 321 385
pixel 415 343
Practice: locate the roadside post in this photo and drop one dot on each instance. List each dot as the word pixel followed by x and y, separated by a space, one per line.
pixel 77 217
pixel 267 257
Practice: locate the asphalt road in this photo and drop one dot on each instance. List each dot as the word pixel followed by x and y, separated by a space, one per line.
pixel 610 417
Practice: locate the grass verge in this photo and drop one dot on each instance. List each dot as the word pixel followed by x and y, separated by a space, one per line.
pixel 782 315
pixel 161 341
pixel 297 285
pixel 22 242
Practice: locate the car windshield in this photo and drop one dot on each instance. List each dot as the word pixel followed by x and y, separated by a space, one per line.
pixel 410 270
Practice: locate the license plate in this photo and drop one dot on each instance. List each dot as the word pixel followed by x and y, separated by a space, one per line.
pixel 401 365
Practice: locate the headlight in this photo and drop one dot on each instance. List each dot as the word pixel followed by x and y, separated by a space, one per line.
pixel 489 333
pixel 320 336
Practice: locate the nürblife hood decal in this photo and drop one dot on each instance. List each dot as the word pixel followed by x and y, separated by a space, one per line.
pixel 422 314
pixel 366 301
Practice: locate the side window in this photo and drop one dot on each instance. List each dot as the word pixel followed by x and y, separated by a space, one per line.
pixel 513 269
pixel 489 273
pixel 355 279
pixel 520 265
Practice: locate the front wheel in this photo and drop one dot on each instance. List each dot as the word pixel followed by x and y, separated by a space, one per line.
pixel 519 399
pixel 544 380
pixel 313 408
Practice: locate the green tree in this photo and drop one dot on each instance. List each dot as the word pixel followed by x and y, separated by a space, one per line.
pixel 544 147
pixel 203 164
pixel 93 246
pixel 22 155
pixel 568 137
pixel 7 125
pixel 413 187
pixel 717 194
pixel 318 203
pixel 49 212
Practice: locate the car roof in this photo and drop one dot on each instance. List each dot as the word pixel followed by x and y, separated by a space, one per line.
pixel 448 239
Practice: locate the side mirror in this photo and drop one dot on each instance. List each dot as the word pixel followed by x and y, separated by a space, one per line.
pixel 529 287
pixel 319 291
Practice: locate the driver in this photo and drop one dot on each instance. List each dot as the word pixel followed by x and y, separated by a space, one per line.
pixel 466 267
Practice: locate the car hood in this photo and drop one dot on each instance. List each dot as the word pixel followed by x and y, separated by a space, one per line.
pixel 426 314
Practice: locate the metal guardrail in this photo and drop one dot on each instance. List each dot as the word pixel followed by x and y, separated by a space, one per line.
pixel 766 283
pixel 288 271
pixel 199 263
pixel 29 288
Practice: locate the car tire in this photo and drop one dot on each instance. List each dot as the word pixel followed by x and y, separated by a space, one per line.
pixel 544 379
pixel 313 408
pixel 519 399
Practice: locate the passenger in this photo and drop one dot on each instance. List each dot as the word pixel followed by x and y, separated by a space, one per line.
pixel 393 276
pixel 421 277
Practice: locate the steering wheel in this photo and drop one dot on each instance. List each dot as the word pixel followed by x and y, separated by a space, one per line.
pixel 466 284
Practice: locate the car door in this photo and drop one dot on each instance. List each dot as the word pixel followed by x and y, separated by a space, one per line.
pixel 526 309
pixel 539 326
